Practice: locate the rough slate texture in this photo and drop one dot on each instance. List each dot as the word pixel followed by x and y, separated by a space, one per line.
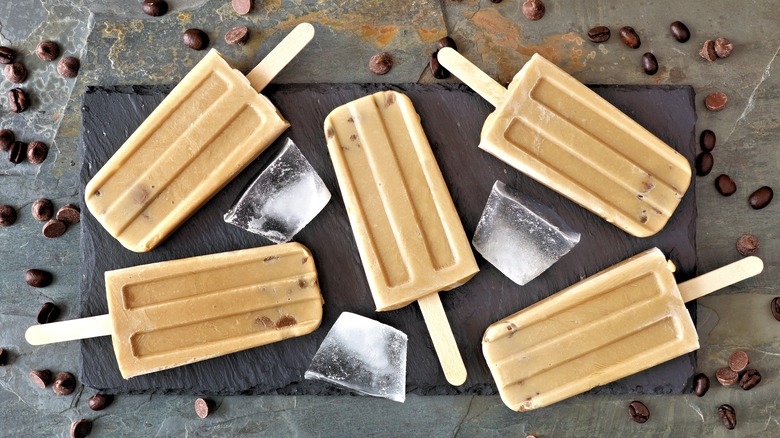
pixel 452 118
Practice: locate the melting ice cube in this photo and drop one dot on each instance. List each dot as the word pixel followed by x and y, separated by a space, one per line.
pixel 363 355
pixel 285 197
pixel 519 236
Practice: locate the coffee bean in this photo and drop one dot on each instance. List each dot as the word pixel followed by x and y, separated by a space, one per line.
pixel 738 361
pixel 761 197
pixel 38 277
pixel 7 138
pixel 533 9
pixel 49 313
pixel 381 63
pixel 98 402
pixel 437 70
pixel 723 47
pixel 155 8
pixel 728 416
pixel 680 31
pixel 80 428
pixel 629 37
pixel 47 50
pixel 195 39
pixel 7 55
pixel 204 407
pixel 64 383
pixel 17 100
pixel 707 140
pixel 599 34
pixel 15 72
pixel 41 378
pixel 701 384
pixel 638 412
pixel 37 151
pixel 747 244
pixel 18 152
pixel 750 379
pixel 68 67
pixel 3 357
pixel 708 51
pixel 726 376
pixel 775 307
pixel 446 42
pixel 725 185
pixel 716 101
pixel 649 64
pixel 242 7
pixel 54 228
pixel 70 214
pixel 237 36
pixel 704 162
pixel 42 209
pixel 7 215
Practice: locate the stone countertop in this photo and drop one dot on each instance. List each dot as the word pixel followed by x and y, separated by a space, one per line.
pixel 117 44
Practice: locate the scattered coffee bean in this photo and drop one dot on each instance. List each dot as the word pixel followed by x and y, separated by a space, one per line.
pixel 18 152
pixel 649 64
pixel 381 63
pixel 750 379
pixel 242 7
pixel 728 416
pixel 15 72
pixel 437 70
pixel 204 407
pixel 704 162
pixel 701 384
pixel 680 31
pixel 3 357
pixel 68 67
pixel 747 244
pixel 7 215
pixel 70 214
pixel 98 402
pixel 707 140
pixel 599 34
pixel 761 197
pixel 37 151
pixel 41 378
pixel 708 51
pixel 195 39
pixel 716 101
pixel 738 361
pixel 38 277
pixel 638 412
pixel 49 313
pixel 775 307
pixel 726 376
pixel 446 42
pixel 64 383
pixel 237 36
pixel 7 138
pixel 47 50
pixel 80 428
pixel 155 8
pixel 533 9
pixel 723 47
pixel 42 209
pixel 7 55
pixel 629 37
pixel 17 100
pixel 725 185
pixel 54 228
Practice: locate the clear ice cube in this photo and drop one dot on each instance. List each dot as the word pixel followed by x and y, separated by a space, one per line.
pixel 285 197
pixel 519 236
pixel 363 355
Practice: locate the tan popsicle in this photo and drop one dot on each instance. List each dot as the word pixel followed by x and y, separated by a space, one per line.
pixel 172 313
pixel 554 129
pixel 204 133
pixel 618 322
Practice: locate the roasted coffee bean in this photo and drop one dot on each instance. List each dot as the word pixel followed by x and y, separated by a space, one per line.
pixel 437 70
pixel 381 63
pixel 7 138
pixel 204 407
pixel 704 162
pixel 70 214
pixel 16 72
pixel 599 34
pixel 40 378
pixel 17 100
pixel 42 209
pixel 761 197
pixel 18 152
pixel 725 185
pixel 707 140
pixel 68 67
pixel 680 31
pixel 708 51
pixel 3 357
pixel 738 361
pixel 701 384
pixel 649 64
pixel 723 47
pixel 37 151
pixel 716 101
pixel 38 277
pixel 638 412
pixel 750 379
pixel 728 416
pixel 47 50
pixel 64 383
pixel 775 307
pixel 7 55
pixel 49 313
pixel 195 39
pixel 726 376
pixel 155 8
pixel 446 42
pixel 533 9
pixel 80 428
pixel 747 244
pixel 629 37
pixel 98 402
pixel 242 7
pixel 7 215
pixel 237 36
pixel 54 228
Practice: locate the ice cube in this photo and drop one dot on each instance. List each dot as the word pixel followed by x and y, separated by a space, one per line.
pixel 363 355
pixel 285 197
pixel 519 236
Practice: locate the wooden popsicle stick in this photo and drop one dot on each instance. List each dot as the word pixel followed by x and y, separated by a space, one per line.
pixel 720 278
pixel 443 339
pixel 470 74
pixel 280 56
pixel 62 331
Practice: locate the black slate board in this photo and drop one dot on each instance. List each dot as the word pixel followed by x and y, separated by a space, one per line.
pixel 452 117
